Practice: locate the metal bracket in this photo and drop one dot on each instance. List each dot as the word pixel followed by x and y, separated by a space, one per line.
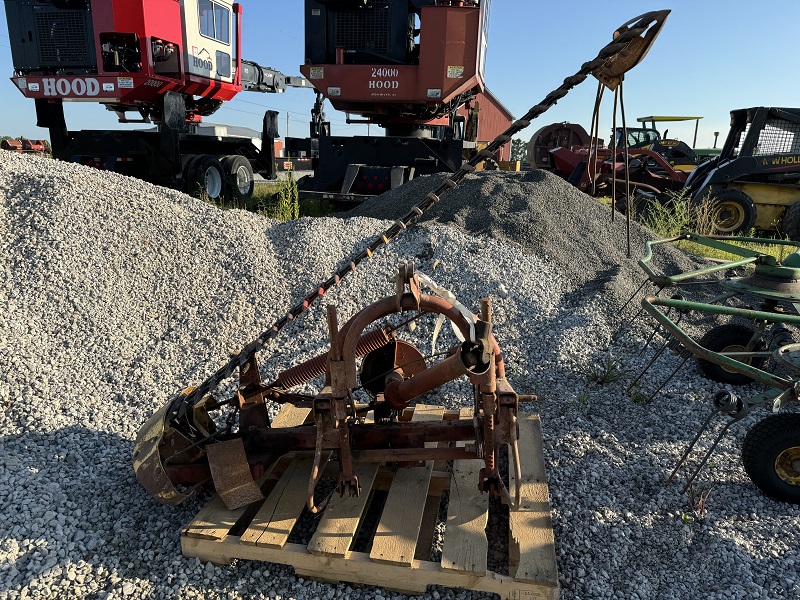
pixel 407 277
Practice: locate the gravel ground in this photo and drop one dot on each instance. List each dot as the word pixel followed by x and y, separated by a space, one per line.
pixel 118 293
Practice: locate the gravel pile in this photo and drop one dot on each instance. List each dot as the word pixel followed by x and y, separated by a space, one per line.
pixel 118 293
pixel 544 215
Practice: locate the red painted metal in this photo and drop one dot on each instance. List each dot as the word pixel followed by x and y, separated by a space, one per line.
pixel 448 67
pixel 494 119
pixel 641 175
pixel 401 392
pixel 237 15
pixel 149 20
pixel 23 145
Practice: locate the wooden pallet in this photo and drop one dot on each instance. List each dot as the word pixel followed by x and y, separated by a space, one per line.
pixel 398 556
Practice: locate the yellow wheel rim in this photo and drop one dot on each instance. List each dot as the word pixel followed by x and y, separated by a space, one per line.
pixel 728 216
pixel 736 348
pixel 787 465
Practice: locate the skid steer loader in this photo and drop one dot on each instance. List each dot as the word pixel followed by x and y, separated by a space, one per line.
pixel 755 181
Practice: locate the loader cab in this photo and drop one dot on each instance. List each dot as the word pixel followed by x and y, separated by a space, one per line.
pixel 763 131
pixel 210 39
pixel 637 138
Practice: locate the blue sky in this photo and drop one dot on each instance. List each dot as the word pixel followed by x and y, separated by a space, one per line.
pixel 713 56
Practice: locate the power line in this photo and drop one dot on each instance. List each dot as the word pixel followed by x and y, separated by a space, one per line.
pixel 271 107
pixel 339 125
pixel 247 112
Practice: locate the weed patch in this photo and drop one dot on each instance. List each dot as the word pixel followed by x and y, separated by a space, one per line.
pixel 607 370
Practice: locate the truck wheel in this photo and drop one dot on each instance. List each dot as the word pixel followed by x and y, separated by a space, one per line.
pixel 771 456
pixel 187 161
pixel 791 222
pixel 729 338
pixel 732 212
pixel 239 178
pixel 206 179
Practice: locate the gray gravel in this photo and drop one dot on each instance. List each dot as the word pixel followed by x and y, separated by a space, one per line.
pixel 546 217
pixel 118 293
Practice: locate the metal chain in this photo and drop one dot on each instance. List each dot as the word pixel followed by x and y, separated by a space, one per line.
pixel 183 402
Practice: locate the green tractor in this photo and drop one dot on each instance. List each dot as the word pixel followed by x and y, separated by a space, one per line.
pixel 679 155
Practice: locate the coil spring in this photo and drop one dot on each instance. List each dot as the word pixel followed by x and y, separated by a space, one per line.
pixel 781 336
pixel 317 366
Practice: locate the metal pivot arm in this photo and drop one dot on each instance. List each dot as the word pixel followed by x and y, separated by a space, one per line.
pixel 712 241
pixel 666 281
pixel 256 78
pixel 650 305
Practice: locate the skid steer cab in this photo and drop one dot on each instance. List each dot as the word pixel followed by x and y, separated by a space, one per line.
pixel 754 182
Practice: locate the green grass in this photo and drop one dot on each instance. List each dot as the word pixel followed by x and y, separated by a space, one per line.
pixel 607 369
pixel 280 200
pixel 283 203
pixel 680 214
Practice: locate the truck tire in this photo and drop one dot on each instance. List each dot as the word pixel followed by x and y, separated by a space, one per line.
pixel 206 178
pixel 733 212
pixel 790 224
pixel 187 161
pixel 239 179
pixel 729 338
pixel 771 456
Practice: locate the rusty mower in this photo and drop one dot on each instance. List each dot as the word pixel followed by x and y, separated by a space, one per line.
pixel 648 171
pixel 392 373
pixel 764 351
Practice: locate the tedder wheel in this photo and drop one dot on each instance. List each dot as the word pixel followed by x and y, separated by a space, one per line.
pixel 791 222
pixel 771 456
pixel 730 338
pixel 732 212
pixel 239 178
pixel 206 178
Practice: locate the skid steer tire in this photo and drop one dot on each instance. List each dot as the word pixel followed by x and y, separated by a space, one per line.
pixel 729 338
pixel 732 212
pixel 790 224
pixel 771 456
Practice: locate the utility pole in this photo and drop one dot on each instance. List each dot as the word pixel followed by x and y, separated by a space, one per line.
pixel 287 125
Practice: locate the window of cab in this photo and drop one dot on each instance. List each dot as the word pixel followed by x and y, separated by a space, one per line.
pixel 215 21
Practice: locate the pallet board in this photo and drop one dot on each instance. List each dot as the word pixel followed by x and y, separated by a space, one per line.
pixel 398 546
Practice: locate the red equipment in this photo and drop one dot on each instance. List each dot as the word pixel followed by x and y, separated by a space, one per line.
pixel 128 55
pixel 408 66
pixel 24 146
pixel 445 62
pixel 555 135
pixel 649 171
pixel 172 62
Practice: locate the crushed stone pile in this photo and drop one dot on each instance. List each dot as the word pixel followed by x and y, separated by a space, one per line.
pixel 117 294
pixel 547 217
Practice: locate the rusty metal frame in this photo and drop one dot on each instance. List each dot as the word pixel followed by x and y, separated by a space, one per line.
pixel 337 421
